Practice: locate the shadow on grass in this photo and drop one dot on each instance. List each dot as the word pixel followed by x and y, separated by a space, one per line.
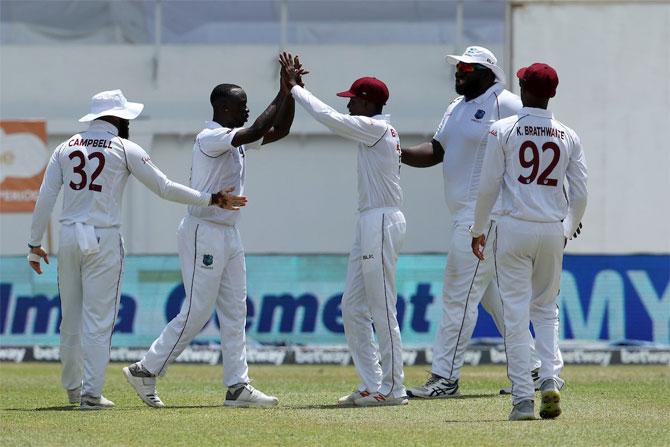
pixel 472 396
pixel 478 421
pixel 60 408
pixel 325 407
pixel 76 408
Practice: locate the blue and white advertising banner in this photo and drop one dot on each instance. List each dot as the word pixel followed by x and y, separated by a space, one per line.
pixel 295 300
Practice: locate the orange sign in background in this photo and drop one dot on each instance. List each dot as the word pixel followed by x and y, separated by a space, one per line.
pixel 23 159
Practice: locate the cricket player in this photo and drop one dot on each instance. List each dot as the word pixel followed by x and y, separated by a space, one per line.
pixel 210 249
pixel 93 166
pixel 459 145
pixel 529 159
pixel 370 292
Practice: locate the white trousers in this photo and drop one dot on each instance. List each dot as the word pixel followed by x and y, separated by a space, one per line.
pixel 370 297
pixel 89 287
pixel 528 261
pixel 214 274
pixel 467 282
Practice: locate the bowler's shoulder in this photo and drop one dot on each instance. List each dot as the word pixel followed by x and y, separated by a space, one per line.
pixel 215 132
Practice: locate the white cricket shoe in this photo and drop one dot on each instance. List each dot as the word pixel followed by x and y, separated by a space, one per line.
pixel 349 399
pixel 95 403
pixel 74 396
pixel 379 400
pixel 144 384
pixel 436 387
pixel 551 400
pixel 244 396
pixel 523 411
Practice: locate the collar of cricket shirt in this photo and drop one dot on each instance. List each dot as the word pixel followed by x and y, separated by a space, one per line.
pixel 382 117
pixel 103 126
pixel 536 112
pixel 497 87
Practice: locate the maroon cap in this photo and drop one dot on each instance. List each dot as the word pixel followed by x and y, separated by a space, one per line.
pixel 539 79
pixel 368 88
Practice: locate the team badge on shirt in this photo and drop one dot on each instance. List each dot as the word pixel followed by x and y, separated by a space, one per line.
pixel 207 260
pixel 480 114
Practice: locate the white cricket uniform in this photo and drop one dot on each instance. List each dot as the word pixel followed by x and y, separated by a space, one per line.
pixel 529 156
pixel 94 166
pixel 370 294
pixel 212 261
pixel 467 281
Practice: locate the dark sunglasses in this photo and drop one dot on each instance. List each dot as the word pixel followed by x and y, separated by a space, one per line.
pixel 463 67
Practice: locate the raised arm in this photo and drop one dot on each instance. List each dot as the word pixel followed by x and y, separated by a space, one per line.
pixel 284 118
pixel 362 129
pixel 423 155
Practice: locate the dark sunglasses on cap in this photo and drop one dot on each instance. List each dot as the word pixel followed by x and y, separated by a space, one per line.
pixel 464 67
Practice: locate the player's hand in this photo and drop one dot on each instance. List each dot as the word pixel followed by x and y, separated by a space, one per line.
pixel 301 71
pixel 292 69
pixel 284 87
pixel 477 245
pixel 223 199
pixel 578 231
pixel 34 257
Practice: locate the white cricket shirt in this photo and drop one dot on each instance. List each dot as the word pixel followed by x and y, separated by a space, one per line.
pixel 462 133
pixel 378 150
pixel 217 165
pixel 93 166
pixel 531 156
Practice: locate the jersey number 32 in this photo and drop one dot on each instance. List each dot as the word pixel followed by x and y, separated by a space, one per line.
pixel 79 170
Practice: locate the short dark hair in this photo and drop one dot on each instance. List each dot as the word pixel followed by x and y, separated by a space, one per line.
pixel 221 92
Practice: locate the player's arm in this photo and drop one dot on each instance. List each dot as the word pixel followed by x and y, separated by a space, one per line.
pixel 284 119
pixel 51 185
pixel 261 126
pixel 141 166
pixel 490 183
pixel 576 175
pixel 423 155
pixel 358 128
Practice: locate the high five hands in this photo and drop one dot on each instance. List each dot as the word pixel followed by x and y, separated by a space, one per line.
pixel 292 71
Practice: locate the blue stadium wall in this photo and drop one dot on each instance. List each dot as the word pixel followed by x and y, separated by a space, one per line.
pixel 294 300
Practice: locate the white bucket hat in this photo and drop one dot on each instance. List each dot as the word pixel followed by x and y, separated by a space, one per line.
pixel 112 103
pixel 481 56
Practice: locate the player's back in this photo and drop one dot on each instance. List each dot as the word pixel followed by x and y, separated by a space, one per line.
pixel 538 150
pixel 94 169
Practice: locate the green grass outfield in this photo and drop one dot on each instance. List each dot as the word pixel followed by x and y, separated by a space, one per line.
pixel 615 405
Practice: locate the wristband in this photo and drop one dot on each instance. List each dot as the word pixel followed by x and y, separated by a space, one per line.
pixel 472 233
pixel 34 246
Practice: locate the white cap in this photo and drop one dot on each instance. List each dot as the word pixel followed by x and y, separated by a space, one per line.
pixel 481 56
pixel 112 103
